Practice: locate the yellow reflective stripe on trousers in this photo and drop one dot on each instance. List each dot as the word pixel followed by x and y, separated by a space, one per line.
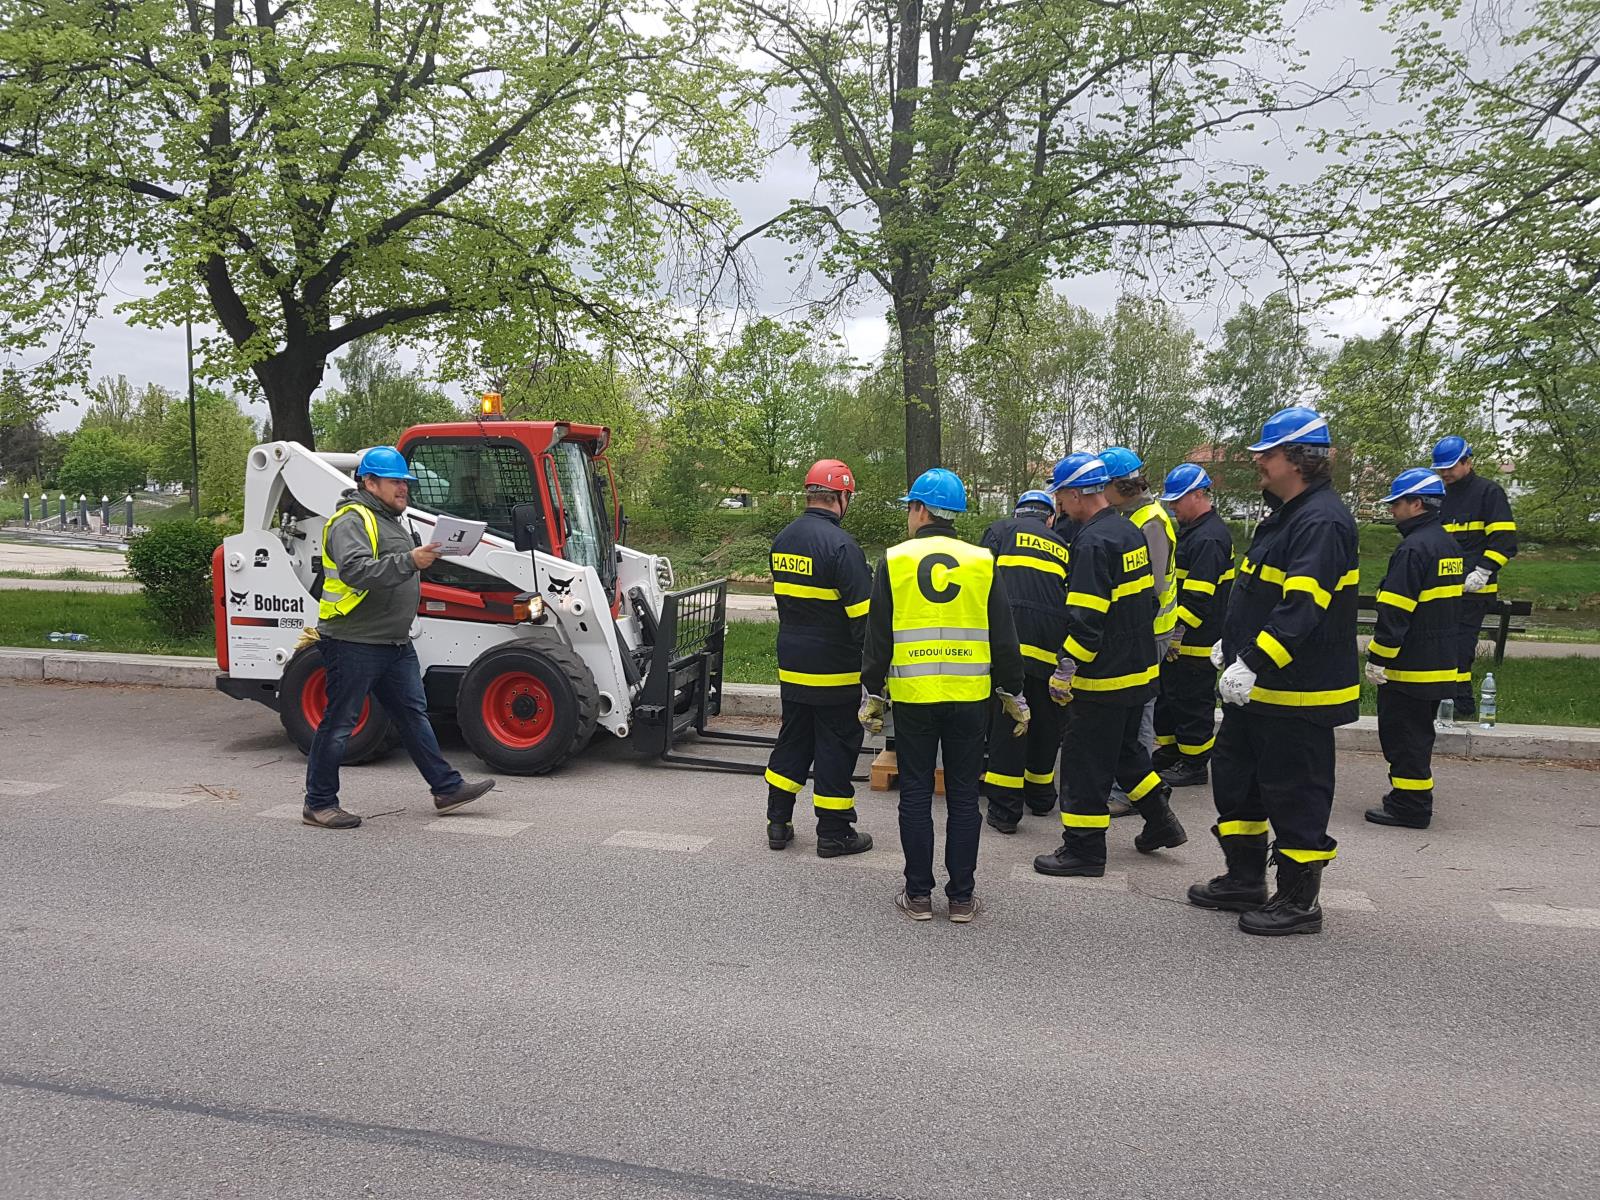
pixel 1116 682
pixel 1420 676
pixel 1035 777
pixel 1396 600
pixel 1005 781
pixel 1276 650
pixel 1088 600
pixel 1298 699
pixel 804 591
pixel 1038 564
pixel 1089 821
pixel 1411 785
pixel 1145 786
pixel 805 678
pixel 1308 856
pixel 833 803
pixel 1241 828
pixel 1040 654
pixel 1166 739
pixel 1202 748
pixel 857 610
pixel 782 782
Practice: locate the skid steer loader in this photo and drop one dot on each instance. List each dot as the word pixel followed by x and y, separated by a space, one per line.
pixel 547 631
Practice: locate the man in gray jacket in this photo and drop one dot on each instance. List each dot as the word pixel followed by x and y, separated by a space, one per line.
pixel 372 567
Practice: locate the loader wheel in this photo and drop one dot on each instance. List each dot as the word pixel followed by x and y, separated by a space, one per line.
pixel 527 707
pixel 303 700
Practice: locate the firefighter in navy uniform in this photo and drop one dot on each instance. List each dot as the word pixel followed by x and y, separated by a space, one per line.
pixel 1412 656
pixel 1031 562
pixel 1106 673
pixel 1477 514
pixel 1186 707
pixel 1289 649
pixel 822 585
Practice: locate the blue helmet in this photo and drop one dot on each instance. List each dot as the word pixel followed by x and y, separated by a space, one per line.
pixel 1414 481
pixel 1080 470
pixel 1450 451
pixel 1120 461
pixel 1036 497
pixel 384 462
pixel 938 488
pixel 1183 479
pixel 1293 427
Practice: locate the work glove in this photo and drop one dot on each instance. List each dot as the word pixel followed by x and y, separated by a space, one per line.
pixel 1376 675
pixel 1061 681
pixel 1176 644
pixel 1216 656
pixel 871 714
pixel 1017 709
pixel 1477 581
pixel 1236 683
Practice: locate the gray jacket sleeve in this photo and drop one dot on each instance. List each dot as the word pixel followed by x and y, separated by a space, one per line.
pixel 358 568
pixel 1155 536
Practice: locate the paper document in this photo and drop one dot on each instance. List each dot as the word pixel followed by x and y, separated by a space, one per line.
pixel 455 536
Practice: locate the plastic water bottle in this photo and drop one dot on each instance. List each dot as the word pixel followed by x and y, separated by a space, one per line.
pixel 69 637
pixel 1447 714
pixel 1486 703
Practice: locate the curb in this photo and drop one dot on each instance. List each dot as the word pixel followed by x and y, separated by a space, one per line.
pixel 1556 743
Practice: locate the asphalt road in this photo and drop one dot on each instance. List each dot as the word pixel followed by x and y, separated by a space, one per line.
pixel 604 985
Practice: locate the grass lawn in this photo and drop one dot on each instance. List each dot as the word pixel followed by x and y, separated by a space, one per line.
pixel 1531 691
pixel 118 623
pixel 71 573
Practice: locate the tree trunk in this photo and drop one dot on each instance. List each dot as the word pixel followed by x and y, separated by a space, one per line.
pixel 289 378
pixel 919 374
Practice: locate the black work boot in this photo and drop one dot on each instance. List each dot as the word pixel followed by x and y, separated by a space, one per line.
pixel 1293 907
pixel 1244 886
pixel 1186 772
pixel 1082 853
pixel 1004 813
pixel 1164 757
pixel 779 834
pixel 851 842
pixel 1389 814
pixel 1162 829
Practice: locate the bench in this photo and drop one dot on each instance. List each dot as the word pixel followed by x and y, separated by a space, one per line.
pixel 1502 612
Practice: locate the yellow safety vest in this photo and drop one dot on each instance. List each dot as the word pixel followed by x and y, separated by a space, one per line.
pixel 941 591
pixel 337 599
pixel 1167 602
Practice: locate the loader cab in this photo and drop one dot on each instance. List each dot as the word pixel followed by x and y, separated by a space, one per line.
pixel 481 470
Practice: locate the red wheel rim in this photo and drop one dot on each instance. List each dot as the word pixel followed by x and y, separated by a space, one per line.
pixel 518 710
pixel 314 701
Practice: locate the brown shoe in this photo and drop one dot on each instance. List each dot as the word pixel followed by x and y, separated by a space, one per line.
pixel 465 794
pixel 962 911
pixel 918 908
pixel 331 817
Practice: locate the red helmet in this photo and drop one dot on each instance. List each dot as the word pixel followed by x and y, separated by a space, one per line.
pixel 832 474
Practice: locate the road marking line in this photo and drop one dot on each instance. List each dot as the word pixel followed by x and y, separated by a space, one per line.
pixel 151 800
pixel 283 812
pixel 481 826
pixel 1548 914
pixel 640 839
pixel 23 787
pixel 1347 899
pixel 1111 881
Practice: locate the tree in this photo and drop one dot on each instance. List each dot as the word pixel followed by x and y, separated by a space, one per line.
pixel 379 401
pixel 310 172
pixel 224 436
pixel 100 462
pixel 1262 363
pixel 972 146
pixel 1482 225
pixel 29 453
pixel 770 379
pixel 1151 375
pixel 136 414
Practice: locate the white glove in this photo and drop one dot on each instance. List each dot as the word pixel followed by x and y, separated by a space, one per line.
pixel 1216 656
pixel 1376 674
pixel 1477 581
pixel 1236 683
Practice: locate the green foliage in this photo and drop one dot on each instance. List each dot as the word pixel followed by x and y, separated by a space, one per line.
pixel 173 562
pixel 380 400
pixel 102 462
pixel 224 435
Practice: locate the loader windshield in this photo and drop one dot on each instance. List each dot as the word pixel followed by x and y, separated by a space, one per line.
pixel 588 521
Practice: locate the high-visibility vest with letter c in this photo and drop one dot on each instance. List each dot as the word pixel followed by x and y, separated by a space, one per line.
pixel 337 598
pixel 941 591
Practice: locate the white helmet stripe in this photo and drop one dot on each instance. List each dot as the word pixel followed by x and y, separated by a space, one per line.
pixel 1308 427
pixel 1088 466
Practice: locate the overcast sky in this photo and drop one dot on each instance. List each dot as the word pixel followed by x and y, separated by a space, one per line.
pixel 1335 35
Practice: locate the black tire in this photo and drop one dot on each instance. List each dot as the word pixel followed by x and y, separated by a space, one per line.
pixel 299 708
pixel 528 706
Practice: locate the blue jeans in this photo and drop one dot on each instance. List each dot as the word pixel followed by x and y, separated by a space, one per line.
pixel 355 671
pixel 960 729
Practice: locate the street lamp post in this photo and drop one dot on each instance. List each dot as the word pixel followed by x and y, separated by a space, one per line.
pixel 194 445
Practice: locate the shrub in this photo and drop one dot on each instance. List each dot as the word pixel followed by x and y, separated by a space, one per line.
pixel 173 562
